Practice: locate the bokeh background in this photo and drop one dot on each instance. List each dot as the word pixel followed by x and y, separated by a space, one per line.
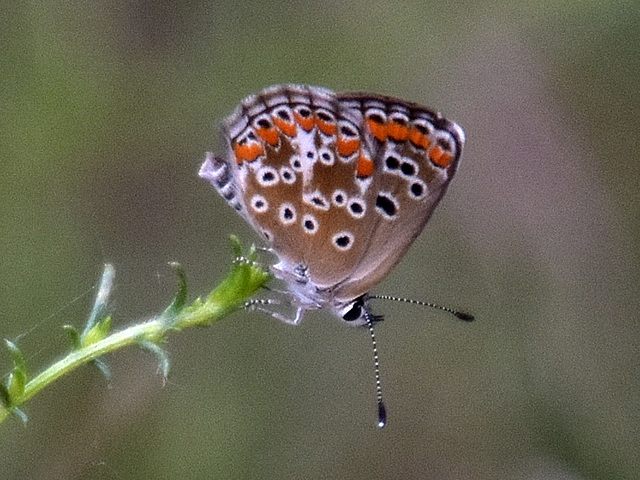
pixel 106 110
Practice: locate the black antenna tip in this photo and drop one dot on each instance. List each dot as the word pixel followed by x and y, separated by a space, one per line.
pixel 382 415
pixel 467 317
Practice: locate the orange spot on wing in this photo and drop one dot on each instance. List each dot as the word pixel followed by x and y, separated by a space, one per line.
pixel 306 123
pixel 328 128
pixel 288 128
pixel 269 135
pixel 365 166
pixel 440 157
pixel 347 146
pixel 398 131
pixel 247 152
pixel 419 139
pixel 378 130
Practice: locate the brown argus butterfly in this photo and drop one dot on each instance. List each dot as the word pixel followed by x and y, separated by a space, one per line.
pixel 339 185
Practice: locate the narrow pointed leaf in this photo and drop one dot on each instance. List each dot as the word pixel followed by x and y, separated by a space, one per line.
pixel 16 356
pixel 103 367
pixel 100 305
pixel 99 331
pixel 160 353
pixel 15 384
pixel 20 414
pixel 180 298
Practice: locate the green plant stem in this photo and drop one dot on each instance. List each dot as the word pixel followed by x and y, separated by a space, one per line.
pixel 244 279
pixel 152 330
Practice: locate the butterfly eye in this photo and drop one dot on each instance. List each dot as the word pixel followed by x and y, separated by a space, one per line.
pixel 354 313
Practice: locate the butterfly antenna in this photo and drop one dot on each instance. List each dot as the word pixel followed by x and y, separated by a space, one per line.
pixel 382 411
pixel 467 317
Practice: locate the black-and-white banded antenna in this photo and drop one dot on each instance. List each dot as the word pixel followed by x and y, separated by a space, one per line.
pixel 467 317
pixel 382 410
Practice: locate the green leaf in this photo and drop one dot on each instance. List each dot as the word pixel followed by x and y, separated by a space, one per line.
pixel 98 332
pixel 160 353
pixel 4 394
pixel 18 376
pixel 103 367
pixel 74 336
pixel 15 384
pixel 20 414
pixel 180 299
pixel 100 305
pixel 236 246
pixel 16 355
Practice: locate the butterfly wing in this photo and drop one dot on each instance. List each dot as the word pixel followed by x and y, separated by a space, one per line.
pixel 416 153
pixel 339 185
pixel 292 183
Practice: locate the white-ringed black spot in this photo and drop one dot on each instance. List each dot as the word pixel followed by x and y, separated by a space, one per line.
pixel 287 175
pixel 303 111
pixel 408 168
pixel 392 162
pixel 267 235
pixel 310 154
pixel 357 208
pixel 296 164
pixel 339 198
pixel 418 189
pixel 399 118
pixel 264 122
pixel 347 130
pixel 376 116
pixel 267 176
pixel 326 156
pixel 316 200
pixel 310 224
pixel 283 113
pixel 422 126
pixel 343 240
pixel 259 203
pixel 387 205
pixel 325 116
pixel 288 214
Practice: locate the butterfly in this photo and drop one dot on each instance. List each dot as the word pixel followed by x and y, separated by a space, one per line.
pixel 339 185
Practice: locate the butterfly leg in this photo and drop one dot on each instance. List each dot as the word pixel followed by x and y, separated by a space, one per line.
pixel 259 304
pixel 291 321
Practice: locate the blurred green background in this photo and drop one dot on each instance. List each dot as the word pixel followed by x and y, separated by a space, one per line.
pixel 106 110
